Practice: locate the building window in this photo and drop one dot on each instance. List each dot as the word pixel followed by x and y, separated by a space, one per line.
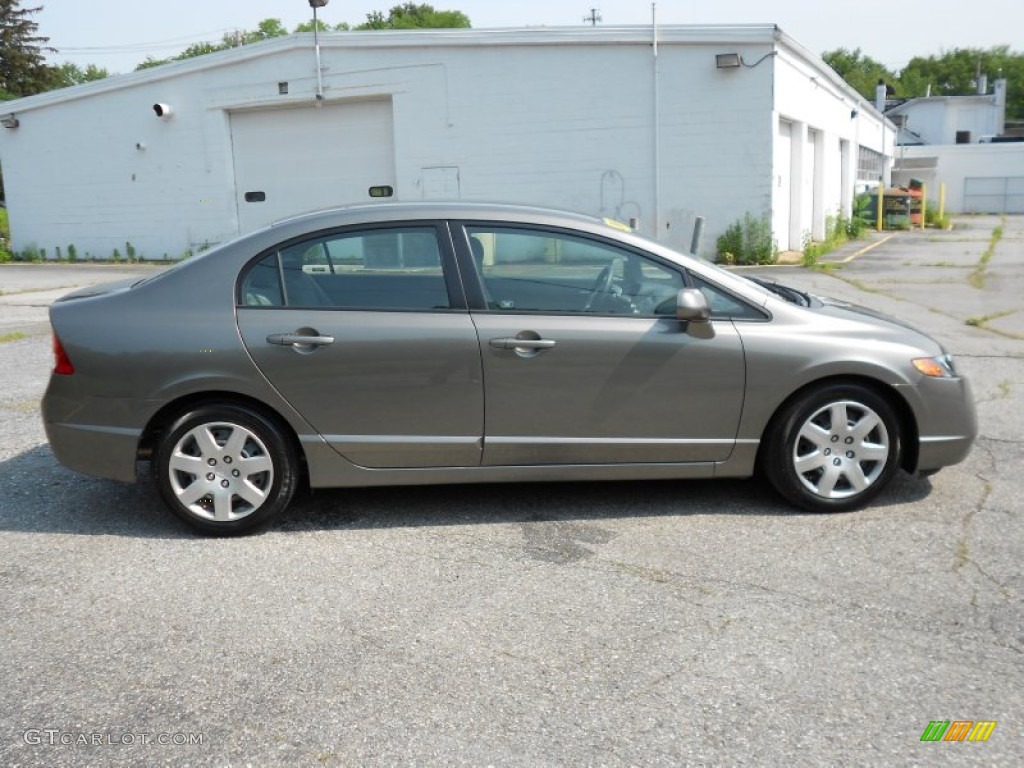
pixel 963 137
pixel 869 165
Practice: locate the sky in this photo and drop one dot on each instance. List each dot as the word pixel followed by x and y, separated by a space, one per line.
pixel 118 34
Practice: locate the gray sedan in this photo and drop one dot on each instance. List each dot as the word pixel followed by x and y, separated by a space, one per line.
pixel 403 344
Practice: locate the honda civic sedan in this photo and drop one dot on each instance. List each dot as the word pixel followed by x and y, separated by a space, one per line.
pixel 403 344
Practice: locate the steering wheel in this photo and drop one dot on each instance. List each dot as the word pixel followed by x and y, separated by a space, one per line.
pixel 603 283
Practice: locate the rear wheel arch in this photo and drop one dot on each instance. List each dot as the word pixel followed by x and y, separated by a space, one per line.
pixel 225 465
pixel 164 418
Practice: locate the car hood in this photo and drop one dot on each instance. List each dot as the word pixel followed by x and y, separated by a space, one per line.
pixel 878 321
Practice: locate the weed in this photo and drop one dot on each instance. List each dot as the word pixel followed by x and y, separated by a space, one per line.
pixel 977 276
pixel 12 336
pixel 748 241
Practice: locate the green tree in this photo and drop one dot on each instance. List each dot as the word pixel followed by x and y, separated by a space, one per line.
pixel 321 26
pixel 954 73
pixel 23 68
pixel 265 30
pixel 861 72
pixel 69 73
pixel 415 16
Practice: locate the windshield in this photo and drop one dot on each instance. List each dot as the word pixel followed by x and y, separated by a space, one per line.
pixel 792 295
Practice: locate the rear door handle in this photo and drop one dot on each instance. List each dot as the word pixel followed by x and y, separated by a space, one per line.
pixel 511 342
pixel 293 339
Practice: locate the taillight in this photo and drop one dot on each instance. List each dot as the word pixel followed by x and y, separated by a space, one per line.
pixel 61 362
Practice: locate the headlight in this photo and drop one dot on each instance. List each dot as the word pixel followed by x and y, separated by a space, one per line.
pixel 940 367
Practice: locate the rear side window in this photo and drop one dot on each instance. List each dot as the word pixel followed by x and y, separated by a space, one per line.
pixel 387 269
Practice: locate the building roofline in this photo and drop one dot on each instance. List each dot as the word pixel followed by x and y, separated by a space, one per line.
pixel 980 98
pixel 833 77
pixel 749 34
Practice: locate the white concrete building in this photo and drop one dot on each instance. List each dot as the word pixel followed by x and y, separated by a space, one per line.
pixel 952 119
pixel 661 126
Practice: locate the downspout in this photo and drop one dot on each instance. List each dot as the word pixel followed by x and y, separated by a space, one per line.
pixel 657 123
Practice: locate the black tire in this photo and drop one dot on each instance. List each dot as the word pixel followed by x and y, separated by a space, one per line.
pixel 244 462
pixel 833 449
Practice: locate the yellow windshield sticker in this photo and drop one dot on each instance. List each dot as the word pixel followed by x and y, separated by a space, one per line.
pixel 617 225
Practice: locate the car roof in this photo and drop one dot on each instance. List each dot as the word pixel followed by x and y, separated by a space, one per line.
pixel 391 211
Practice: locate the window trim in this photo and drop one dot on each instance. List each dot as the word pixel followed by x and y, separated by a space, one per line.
pixel 449 265
pixel 474 284
pixel 763 315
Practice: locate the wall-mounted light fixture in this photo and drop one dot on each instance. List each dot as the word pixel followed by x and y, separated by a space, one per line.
pixel 728 60
pixel 9 121
pixel 162 110
pixel 735 60
pixel 853 113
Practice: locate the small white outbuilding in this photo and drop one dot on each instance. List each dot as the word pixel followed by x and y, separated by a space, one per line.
pixel 656 125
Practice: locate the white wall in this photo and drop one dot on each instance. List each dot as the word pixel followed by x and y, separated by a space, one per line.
pixel 938 120
pixel 953 164
pixel 824 116
pixel 550 118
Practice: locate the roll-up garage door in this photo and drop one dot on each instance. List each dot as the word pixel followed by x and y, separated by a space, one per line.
pixel 289 161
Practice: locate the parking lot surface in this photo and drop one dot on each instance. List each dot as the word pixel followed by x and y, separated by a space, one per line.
pixel 653 624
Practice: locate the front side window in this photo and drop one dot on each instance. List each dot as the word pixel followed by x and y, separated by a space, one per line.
pixel 529 270
pixel 389 269
pixel 723 304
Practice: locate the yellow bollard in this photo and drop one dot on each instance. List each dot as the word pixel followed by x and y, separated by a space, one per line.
pixel 924 204
pixel 881 204
pixel 942 200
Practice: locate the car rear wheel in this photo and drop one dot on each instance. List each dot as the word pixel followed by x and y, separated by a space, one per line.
pixel 226 470
pixel 833 449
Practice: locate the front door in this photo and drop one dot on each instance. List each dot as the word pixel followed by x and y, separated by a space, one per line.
pixel 584 361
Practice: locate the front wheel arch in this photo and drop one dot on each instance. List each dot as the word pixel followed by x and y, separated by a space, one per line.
pixel 769 464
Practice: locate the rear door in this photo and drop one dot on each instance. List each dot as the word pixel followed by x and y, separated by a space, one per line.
pixel 365 332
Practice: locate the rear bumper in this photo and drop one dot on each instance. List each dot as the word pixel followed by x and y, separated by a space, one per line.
pixel 95 450
pixel 93 435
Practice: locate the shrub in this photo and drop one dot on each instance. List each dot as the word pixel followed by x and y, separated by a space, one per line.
pixel 861 218
pixel 748 241
pixel 5 237
pixel 72 253
pixel 31 253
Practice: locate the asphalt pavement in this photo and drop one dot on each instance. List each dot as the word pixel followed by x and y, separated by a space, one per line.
pixel 648 624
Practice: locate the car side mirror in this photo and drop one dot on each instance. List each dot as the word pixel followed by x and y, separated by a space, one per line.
pixel 692 306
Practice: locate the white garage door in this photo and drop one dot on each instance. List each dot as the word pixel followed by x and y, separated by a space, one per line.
pixel 782 194
pixel 289 161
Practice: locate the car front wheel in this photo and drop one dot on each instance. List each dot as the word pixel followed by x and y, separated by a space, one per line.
pixel 226 470
pixel 834 448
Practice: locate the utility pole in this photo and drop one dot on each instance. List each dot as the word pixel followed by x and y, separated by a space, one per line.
pixel 594 17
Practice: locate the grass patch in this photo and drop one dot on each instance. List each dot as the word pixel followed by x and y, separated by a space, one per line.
pixel 12 336
pixel 977 276
pixel 827 267
pixel 982 321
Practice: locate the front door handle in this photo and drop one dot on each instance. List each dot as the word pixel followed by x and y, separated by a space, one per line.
pixel 511 342
pixel 299 339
